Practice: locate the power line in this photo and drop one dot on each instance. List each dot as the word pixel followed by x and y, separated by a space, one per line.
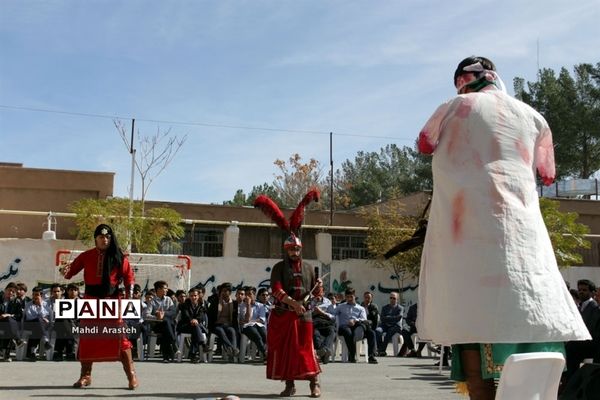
pixel 205 124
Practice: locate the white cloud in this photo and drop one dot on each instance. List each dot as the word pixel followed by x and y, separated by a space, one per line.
pixel 373 69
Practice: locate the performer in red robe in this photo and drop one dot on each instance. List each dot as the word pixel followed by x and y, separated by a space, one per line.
pixel 290 350
pixel 104 267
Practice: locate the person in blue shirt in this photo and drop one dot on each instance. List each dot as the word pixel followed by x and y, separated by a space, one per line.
pixel 253 320
pixel 324 330
pixel 353 322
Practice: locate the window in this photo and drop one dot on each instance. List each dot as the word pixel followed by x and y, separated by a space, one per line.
pixel 199 242
pixel 349 246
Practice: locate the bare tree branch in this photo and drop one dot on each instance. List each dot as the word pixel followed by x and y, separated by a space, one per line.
pixel 154 153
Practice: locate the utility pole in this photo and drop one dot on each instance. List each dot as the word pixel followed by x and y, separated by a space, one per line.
pixel 331 179
pixel 132 152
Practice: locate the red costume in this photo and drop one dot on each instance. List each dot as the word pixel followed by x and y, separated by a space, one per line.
pixel 95 347
pixel 104 268
pixel 91 263
pixel 290 351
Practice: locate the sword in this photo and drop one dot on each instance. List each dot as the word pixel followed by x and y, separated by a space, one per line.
pixel 309 294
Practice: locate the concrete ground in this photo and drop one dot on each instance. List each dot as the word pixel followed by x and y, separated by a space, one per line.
pixel 392 378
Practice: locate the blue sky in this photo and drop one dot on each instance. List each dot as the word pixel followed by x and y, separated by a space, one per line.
pixel 369 71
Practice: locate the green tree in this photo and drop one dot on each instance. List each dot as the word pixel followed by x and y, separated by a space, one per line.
pixel 388 225
pixel 571 105
pixel 566 234
pixel 242 199
pixel 375 177
pixel 160 225
pixel 239 199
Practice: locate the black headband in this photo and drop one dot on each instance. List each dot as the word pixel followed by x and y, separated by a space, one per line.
pixel 103 229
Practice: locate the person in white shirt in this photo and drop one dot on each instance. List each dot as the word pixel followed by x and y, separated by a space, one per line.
pixel 323 324
pixel 263 296
pixel 161 312
pixel 37 320
pixel 252 319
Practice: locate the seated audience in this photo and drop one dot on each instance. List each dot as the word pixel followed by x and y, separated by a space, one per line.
pixel 324 330
pixel 194 320
pixel 352 321
pixel 411 319
pixel 63 328
pixel 577 351
pixel 137 326
pixel 9 324
pixel 252 320
pixel 37 321
pixel 391 323
pixel 223 320
pixel 161 314
pixel 263 297
pixel 371 309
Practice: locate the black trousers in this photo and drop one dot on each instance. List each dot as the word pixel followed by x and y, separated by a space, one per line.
pixel 349 332
pixel 258 336
pixel 166 330
pixel 226 334
pixel 198 339
pixel 324 336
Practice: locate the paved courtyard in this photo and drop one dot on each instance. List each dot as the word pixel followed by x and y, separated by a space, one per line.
pixel 392 378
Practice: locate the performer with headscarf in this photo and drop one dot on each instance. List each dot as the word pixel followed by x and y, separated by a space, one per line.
pixel 489 282
pixel 290 350
pixel 104 267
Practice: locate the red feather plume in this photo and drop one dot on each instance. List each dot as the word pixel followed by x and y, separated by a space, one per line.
pixel 271 210
pixel 298 215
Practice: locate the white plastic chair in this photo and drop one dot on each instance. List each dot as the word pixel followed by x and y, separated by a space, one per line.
pixel 151 346
pixel 140 348
pixel 22 348
pixel 247 349
pixel 531 376
pixel 182 348
pixel 181 345
pixel 211 346
pixel 397 342
pixel 50 351
pixel 334 349
pixel 360 340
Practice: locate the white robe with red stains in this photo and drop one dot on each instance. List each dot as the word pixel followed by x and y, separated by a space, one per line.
pixel 488 271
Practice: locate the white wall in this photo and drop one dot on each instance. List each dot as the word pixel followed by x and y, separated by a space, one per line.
pixel 32 261
pixel 36 265
pixel 573 274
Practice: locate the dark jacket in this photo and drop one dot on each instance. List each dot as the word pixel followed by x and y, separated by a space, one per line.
pixel 282 272
pixel 213 313
pixel 372 314
pixel 188 313
pixel 411 318
pixel 391 316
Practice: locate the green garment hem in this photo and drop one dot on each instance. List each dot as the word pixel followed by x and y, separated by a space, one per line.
pixel 494 355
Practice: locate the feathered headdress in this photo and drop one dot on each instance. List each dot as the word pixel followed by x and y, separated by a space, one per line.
pixel 272 210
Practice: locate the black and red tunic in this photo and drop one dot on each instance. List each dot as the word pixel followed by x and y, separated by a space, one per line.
pixel 291 353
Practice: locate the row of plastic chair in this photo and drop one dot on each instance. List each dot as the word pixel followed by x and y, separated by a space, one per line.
pixel 248 348
pixel 21 350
